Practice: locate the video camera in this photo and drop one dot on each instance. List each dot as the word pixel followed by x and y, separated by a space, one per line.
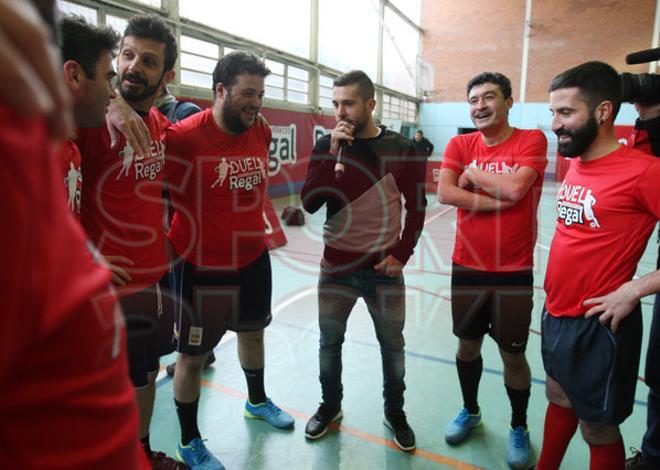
pixel 642 87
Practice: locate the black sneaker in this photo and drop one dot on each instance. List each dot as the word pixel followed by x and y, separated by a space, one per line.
pixel 318 424
pixel 210 359
pixel 404 436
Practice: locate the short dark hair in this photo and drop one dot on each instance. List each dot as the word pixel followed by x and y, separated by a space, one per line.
pixel 236 63
pixel 154 27
pixel 85 43
pixel 364 83
pixel 420 132
pixel 597 82
pixel 495 78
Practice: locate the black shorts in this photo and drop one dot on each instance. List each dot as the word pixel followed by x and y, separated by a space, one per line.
pixel 492 302
pixel 214 301
pixel 597 369
pixel 149 315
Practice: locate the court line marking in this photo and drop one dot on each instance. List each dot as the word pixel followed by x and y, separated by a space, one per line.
pixel 438 215
pixel 423 356
pixel 229 336
pixel 365 436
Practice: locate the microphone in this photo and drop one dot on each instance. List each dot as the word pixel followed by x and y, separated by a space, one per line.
pixel 339 166
pixel 642 57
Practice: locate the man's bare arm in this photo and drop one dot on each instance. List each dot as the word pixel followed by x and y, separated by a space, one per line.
pixel 617 305
pixel 450 193
pixel 504 186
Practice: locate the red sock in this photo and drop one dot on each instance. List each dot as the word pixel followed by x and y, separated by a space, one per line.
pixel 607 457
pixel 558 430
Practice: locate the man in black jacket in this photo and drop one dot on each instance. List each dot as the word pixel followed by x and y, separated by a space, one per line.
pixel 359 172
pixel 423 146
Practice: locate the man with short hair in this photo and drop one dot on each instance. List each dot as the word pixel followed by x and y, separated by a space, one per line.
pixel 494 177
pixel 87 54
pixel 218 230
pixel 591 330
pixel 360 172
pixel 423 146
pixel 122 208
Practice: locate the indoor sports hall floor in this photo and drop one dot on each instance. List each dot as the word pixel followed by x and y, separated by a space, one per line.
pixel 433 396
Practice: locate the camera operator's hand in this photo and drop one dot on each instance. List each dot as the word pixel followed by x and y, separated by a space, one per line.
pixel 647 111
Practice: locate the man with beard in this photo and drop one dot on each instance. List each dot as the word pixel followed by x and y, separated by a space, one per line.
pixel 218 230
pixel 372 169
pixel 592 326
pixel 494 177
pixel 122 208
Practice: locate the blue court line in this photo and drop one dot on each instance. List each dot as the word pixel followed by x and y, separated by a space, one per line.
pixel 408 353
pixel 426 357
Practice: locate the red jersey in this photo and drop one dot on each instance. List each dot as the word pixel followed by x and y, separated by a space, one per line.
pixel 70 158
pixel 122 206
pixel 66 400
pixel 639 139
pixel 217 191
pixel 606 211
pixel 498 241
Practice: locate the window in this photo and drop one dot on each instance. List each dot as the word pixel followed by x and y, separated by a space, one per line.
pixel 297 85
pixel 275 81
pixel 410 111
pixel 117 23
pixel 151 3
pixel 411 8
pixel 198 59
pixel 397 108
pixel 325 91
pixel 287 83
pixel 349 41
pixel 284 24
pixel 400 49
pixel 74 9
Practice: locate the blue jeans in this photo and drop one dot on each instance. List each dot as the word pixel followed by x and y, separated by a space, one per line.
pixel 385 299
pixel 651 442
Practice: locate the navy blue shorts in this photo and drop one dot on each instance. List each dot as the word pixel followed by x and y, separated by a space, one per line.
pixel 498 303
pixel 214 301
pixel 149 315
pixel 597 369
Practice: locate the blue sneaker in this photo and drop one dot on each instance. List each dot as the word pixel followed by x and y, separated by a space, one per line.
pixel 197 456
pixel 269 412
pixel 519 451
pixel 458 429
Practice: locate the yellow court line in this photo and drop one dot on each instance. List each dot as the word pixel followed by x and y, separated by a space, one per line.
pixel 355 432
